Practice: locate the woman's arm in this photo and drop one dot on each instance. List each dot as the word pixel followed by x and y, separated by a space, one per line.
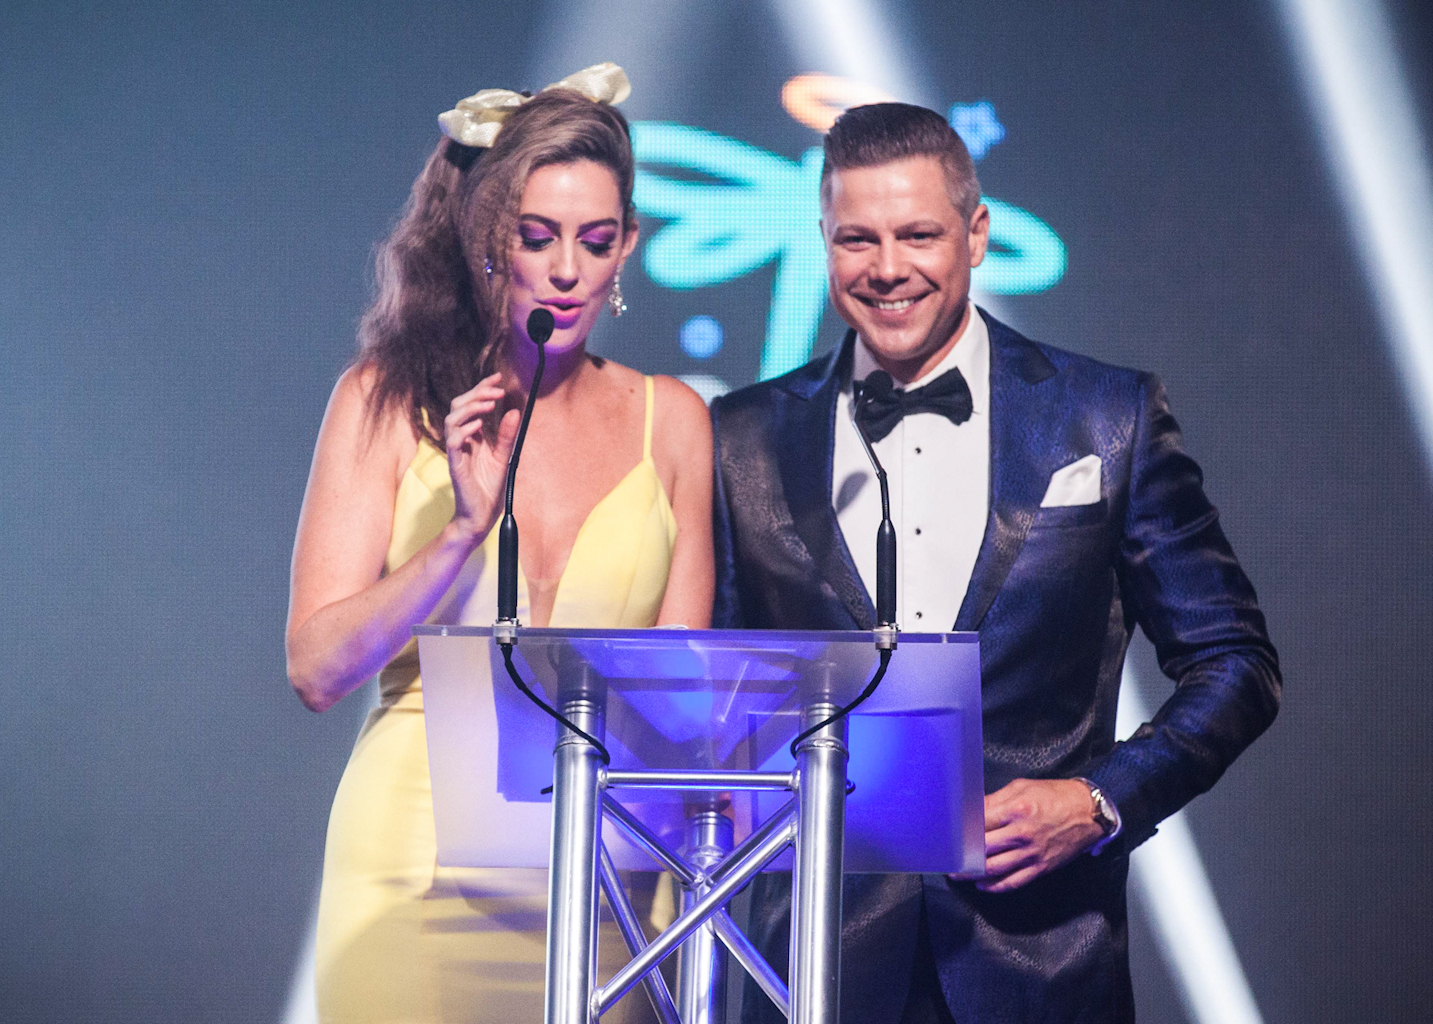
pixel 346 619
pixel 682 446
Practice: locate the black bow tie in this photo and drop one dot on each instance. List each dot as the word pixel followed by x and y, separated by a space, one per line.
pixel 879 407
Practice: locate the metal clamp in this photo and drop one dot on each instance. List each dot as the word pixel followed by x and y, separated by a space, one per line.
pixel 505 631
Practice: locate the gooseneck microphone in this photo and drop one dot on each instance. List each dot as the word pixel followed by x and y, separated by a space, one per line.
pixel 539 328
pixel 877 386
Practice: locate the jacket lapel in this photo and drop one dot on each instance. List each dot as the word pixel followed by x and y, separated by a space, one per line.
pixel 1021 426
pixel 806 452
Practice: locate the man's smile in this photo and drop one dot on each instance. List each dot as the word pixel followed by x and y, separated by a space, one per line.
pixel 890 305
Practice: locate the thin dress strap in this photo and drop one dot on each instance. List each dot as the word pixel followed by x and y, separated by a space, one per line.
pixel 647 424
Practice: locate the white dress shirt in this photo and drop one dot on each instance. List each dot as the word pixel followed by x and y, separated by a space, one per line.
pixel 939 476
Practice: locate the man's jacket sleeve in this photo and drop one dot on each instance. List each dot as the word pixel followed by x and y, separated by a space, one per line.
pixel 1180 581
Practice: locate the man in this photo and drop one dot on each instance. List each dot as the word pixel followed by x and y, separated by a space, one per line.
pixel 1041 498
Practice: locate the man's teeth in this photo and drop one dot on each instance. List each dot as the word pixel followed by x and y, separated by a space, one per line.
pixel 900 304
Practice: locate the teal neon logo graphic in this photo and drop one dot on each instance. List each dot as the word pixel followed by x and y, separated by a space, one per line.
pixel 763 207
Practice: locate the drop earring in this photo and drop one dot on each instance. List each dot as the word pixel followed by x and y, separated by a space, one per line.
pixel 615 302
pixel 488 266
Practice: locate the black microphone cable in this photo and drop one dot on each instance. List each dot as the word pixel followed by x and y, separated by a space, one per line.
pixel 877 385
pixel 885 655
pixel 597 744
pixel 540 325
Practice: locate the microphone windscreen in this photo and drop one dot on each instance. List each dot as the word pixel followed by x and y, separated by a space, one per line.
pixel 540 325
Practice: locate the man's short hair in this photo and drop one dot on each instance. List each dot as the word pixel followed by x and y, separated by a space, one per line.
pixel 880 133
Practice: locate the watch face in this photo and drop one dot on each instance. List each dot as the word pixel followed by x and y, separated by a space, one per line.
pixel 1102 811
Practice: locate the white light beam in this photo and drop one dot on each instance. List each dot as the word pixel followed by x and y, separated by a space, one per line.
pixel 1370 133
pixel 1174 888
pixel 302 1004
pixel 850 39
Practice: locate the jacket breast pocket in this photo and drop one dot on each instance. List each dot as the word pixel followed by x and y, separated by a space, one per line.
pixel 1065 516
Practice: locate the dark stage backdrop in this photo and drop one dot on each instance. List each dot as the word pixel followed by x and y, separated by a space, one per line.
pixel 189 195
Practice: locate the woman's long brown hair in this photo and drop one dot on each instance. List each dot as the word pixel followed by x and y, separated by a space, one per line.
pixel 437 320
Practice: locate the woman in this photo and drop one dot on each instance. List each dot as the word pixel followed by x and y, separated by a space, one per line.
pixel 397 528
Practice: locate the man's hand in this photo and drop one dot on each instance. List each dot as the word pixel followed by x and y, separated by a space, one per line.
pixel 1034 826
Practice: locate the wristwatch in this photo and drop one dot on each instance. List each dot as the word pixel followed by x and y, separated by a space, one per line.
pixel 1107 815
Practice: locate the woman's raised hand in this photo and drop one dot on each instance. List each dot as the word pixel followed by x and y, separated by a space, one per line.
pixel 477 464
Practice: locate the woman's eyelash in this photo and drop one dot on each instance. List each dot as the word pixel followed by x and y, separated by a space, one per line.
pixel 533 244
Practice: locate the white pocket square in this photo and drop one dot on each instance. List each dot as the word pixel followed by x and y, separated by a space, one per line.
pixel 1075 484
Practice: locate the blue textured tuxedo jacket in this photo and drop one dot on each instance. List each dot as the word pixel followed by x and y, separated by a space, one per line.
pixel 1055 595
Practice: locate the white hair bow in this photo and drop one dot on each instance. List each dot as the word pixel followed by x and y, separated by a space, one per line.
pixel 475 121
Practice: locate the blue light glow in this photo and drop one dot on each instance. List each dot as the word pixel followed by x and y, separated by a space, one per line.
pixel 701 337
pixel 1025 254
pixel 764 207
pixel 977 126
pixel 705 384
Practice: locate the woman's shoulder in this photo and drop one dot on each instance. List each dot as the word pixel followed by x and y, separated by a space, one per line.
pixel 679 402
pixel 370 430
pixel 675 404
pixel 354 390
pixel 681 425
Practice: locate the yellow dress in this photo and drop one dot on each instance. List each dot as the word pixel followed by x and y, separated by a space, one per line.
pixel 399 938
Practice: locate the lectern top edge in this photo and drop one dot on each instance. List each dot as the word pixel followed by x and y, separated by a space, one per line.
pixel 776 636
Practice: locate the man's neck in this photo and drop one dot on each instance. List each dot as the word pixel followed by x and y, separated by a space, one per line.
pixel 907 370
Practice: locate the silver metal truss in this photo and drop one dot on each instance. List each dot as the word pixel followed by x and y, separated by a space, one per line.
pixel 710 872
pixel 572 880
pixel 750 957
pixel 692 918
pixel 631 929
pixel 701 963
pixel 695 780
pixel 816 876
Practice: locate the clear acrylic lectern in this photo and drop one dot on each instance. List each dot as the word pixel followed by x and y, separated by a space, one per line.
pixel 698 724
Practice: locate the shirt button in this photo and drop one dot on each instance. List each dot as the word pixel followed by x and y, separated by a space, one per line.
pixel 918 451
pixel 918 615
pixel 918 531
